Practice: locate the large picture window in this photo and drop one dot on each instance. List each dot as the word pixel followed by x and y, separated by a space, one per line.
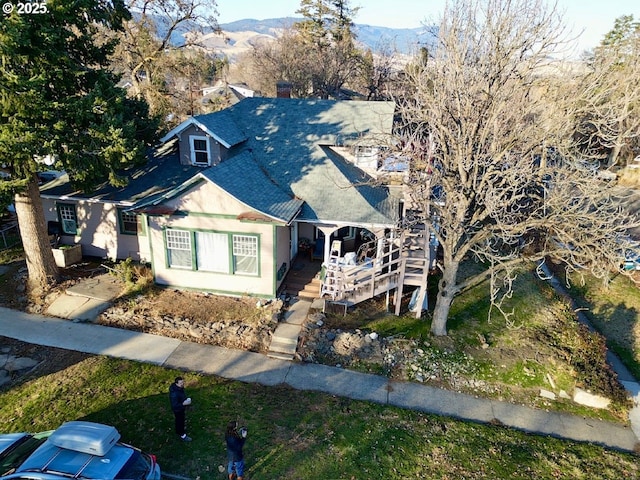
pixel 68 218
pixel 212 251
pixel 218 252
pixel 179 249
pixel 245 254
pixel 200 151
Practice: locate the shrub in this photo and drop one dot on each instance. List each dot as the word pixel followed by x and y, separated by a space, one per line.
pixel 137 277
pixel 586 352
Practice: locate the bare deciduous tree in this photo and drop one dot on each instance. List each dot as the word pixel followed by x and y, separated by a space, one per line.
pixel 317 55
pixel 486 132
pixel 609 114
pixel 147 40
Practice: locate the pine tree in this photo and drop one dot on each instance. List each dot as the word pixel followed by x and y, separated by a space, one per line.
pixel 58 101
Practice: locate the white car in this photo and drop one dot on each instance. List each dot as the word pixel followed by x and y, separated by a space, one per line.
pixel 77 449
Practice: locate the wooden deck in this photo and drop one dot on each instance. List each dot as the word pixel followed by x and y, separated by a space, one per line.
pixel 403 260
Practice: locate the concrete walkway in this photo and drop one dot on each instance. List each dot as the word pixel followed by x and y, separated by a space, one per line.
pixel 257 368
pixel 284 341
pixel 85 300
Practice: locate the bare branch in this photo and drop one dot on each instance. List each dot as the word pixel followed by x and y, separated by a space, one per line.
pixel 489 133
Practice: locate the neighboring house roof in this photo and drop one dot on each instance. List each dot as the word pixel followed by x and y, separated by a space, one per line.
pixel 287 140
pixel 219 125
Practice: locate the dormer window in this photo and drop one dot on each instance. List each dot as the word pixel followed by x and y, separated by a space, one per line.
pixel 367 157
pixel 200 154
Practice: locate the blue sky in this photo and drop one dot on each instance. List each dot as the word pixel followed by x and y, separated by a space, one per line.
pixel 592 17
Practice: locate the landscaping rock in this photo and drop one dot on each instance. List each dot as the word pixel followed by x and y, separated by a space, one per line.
pixel 590 400
pixel 233 333
pixel 14 364
pixel 547 394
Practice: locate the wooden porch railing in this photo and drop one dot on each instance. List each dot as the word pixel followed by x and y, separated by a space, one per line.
pixel 403 261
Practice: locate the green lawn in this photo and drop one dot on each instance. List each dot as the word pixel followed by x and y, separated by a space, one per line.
pixel 292 434
pixel 540 346
pixel 306 435
pixel 613 309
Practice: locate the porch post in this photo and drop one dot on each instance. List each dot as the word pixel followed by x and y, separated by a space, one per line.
pixel 327 241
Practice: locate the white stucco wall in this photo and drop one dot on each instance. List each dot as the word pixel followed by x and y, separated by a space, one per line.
pixel 99 231
pixel 208 208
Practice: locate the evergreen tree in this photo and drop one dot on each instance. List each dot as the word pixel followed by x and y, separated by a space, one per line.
pixel 327 37
pixel 58 101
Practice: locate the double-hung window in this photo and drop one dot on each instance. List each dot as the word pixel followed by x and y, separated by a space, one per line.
pixel 68 218
pixel 179 249
pixel 245 254
pixel 200 153
pixel 129 223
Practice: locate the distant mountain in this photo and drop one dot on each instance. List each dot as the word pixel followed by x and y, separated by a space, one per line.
pixel 242 35
pixel 405 40
pixel 268 27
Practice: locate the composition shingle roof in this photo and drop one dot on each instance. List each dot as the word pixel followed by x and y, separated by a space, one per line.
pixel 289 139
pixel 240 172
pixel 280 162
pixel 160 174
pixel 220 125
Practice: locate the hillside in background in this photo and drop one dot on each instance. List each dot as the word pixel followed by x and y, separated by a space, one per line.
pixel 240 36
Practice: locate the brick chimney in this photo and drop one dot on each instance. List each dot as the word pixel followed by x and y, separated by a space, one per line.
pixel 283 89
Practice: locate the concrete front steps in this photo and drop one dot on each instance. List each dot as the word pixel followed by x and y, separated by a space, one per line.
pixel 285 337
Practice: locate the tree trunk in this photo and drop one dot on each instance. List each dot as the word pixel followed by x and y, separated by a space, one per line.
pixel 613 155
pixel 41 266
pixel 447 289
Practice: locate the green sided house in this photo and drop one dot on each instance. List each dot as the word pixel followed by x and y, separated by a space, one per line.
pixel 231 199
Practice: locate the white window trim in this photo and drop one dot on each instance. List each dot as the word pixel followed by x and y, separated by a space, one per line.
pixel 67 212
pixel 192 140
pixel 179 233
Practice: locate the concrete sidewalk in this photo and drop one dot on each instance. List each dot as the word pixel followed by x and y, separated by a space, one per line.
pixel 252 367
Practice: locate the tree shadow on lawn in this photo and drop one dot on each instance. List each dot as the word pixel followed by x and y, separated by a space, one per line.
pixel 619 324
pixel 292 434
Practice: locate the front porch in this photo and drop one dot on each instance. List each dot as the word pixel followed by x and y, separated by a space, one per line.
pixel 360 263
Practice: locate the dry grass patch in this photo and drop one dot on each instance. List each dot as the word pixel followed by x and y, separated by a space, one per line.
pixel 198 307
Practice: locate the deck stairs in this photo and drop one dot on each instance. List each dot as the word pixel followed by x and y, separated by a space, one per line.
pixel 414 268
pixel 399 261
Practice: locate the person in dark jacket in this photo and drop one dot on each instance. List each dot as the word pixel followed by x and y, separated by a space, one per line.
pixel 235 438
pixel 179 402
